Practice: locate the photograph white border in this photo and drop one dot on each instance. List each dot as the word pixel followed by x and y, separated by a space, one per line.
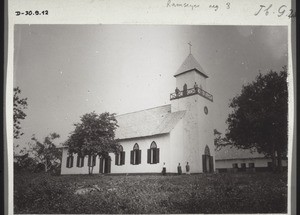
pixel 241 12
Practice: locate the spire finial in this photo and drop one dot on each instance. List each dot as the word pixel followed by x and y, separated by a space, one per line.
pixel 190 44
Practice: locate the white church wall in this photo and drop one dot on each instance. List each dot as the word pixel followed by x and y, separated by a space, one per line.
pixel 197 129
pixel 177 151
pixel 191 125
pixel 163 143
pixel 205 126
pixel 77 170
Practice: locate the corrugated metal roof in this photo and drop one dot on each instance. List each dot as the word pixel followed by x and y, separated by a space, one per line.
pixel 230 152
pixel 158 120
pixel 190 63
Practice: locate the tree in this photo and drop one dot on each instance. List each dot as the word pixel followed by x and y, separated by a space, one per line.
pixel 218 140
pixel 94 135
pixel 46 152
pixel 259 117
pixel 19 105
pixel 24 162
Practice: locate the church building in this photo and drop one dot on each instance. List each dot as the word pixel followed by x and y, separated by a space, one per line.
pixel 169 135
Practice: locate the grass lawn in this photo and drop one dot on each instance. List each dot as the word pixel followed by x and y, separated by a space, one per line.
pixel 203 193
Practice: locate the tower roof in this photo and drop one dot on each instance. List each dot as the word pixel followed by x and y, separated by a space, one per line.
pixel 190 64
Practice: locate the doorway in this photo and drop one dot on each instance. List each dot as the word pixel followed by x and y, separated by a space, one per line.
pixel 105 164
pixel 207 161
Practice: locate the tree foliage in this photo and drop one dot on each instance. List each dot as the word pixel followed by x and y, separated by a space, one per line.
pixel 46 152
pixel 218 140
pixel 24 162
pixel 259 117
pixel 94 135
pixel 19 105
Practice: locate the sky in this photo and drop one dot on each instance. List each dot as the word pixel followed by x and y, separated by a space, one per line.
pixel 66 71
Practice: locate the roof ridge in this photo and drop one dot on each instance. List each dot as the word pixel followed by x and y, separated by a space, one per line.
pixel 142 110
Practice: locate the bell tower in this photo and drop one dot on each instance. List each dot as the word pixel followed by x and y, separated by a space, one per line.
pixel 190 95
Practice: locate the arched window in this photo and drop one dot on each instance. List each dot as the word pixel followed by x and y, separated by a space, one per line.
pixel 70 161
pixel 135 155
pixel 120 157
pixel 153 145
pixel 153 154
pixel 206 150
pixel 92 160
pixel 80 161
pixel 136 147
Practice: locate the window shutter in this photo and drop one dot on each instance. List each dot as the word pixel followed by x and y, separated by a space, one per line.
pixel 68 162
pixel 101 164
pixel 108 164
pixel 78 161
pixel 148 155
pixel 211 164
pixel 117 158
pixel 105 165
pixel 82 161
pixel 156 155
pixel 122 158
pixel 71 162
pixel 94 160
pixel 153 155
pixel 204 163
pixel 72 159
pixel 131 157
pixel 139 155
pixel 89 160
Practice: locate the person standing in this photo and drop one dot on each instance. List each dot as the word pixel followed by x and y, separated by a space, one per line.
pixel 196 86
pixel 164 170
pixel 179 169
pixel 187 168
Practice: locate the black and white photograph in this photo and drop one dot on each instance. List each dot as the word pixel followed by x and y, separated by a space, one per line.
pixel 150 119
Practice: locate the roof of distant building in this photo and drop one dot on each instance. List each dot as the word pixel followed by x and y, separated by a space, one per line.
pixel 189 64
pixel 230 152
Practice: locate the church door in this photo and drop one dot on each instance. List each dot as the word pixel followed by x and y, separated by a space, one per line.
pixel 105 165
pixel 207 161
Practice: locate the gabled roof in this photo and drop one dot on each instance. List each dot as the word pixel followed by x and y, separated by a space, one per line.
pixel 149 122
pixel 229 152
pixel 189 64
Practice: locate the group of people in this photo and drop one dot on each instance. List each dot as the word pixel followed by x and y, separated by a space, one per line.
pixel 179 170
pixel 185 89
